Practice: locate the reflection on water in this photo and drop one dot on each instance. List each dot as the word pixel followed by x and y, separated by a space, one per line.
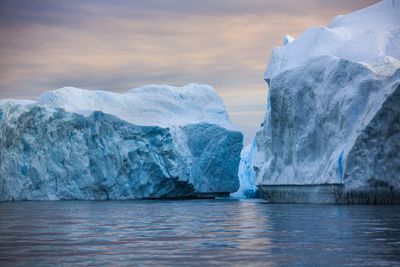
pixel 200 232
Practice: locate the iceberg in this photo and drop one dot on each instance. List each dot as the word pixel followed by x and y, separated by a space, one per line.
pixel 248 187
pixel 332 129
pixel 155 141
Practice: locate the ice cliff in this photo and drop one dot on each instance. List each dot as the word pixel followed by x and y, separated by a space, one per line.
pixel 151 142
pixel 248 187
pixel 334 106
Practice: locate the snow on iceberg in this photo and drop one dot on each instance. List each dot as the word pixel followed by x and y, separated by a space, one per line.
pixel 334 113
pixel 150 105
pixel 369 36
pixel 151 142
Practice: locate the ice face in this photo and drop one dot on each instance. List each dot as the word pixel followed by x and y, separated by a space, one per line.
pixel 247 175
pixel 340 166
pixel 317 114
pixel 48 153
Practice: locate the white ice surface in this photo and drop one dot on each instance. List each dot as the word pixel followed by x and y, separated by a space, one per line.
pixel 369 36
pixel 150 105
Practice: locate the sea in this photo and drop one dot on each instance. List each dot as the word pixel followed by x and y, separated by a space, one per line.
pixel 214 232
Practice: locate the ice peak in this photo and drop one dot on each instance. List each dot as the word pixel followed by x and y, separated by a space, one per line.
pixel 368 36
pixel 287 39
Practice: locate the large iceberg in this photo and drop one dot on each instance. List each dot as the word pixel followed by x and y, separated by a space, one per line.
pixel 334 112
pixel 151 142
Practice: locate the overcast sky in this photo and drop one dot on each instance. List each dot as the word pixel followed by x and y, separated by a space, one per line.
pixel 117 45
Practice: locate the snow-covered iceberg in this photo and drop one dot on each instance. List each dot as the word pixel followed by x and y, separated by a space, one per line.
pixel 334 111
pixel 151 142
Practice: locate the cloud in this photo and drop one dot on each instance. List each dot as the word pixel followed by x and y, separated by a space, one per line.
pixel 119 44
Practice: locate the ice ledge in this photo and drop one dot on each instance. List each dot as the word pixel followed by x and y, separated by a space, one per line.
pixel 329 194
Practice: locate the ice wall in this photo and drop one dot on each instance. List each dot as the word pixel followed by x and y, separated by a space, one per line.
pixel 79 144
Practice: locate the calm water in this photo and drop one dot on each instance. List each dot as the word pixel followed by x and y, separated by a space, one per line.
pixel 197 232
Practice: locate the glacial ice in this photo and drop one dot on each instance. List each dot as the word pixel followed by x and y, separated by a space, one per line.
pixel 287 39
pixel 248 187
pixel 369 36
pixel 333 106
pixel 151 142
pixel 150 105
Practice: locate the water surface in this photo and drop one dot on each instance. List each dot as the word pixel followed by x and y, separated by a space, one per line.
pixel 197 232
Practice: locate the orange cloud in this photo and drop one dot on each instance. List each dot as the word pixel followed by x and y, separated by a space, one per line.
pixel 121 45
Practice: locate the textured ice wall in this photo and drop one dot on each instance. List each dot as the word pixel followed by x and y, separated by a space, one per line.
pixel 333 106
pixel 332 122
pixel 247 175
pixel 47 153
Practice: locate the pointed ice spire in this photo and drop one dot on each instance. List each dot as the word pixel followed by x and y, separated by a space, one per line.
pixel 287 39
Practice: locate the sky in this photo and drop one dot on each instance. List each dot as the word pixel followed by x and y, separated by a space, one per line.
pixel 118 45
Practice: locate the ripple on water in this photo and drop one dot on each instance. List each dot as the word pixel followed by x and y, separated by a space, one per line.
pixel 201 232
